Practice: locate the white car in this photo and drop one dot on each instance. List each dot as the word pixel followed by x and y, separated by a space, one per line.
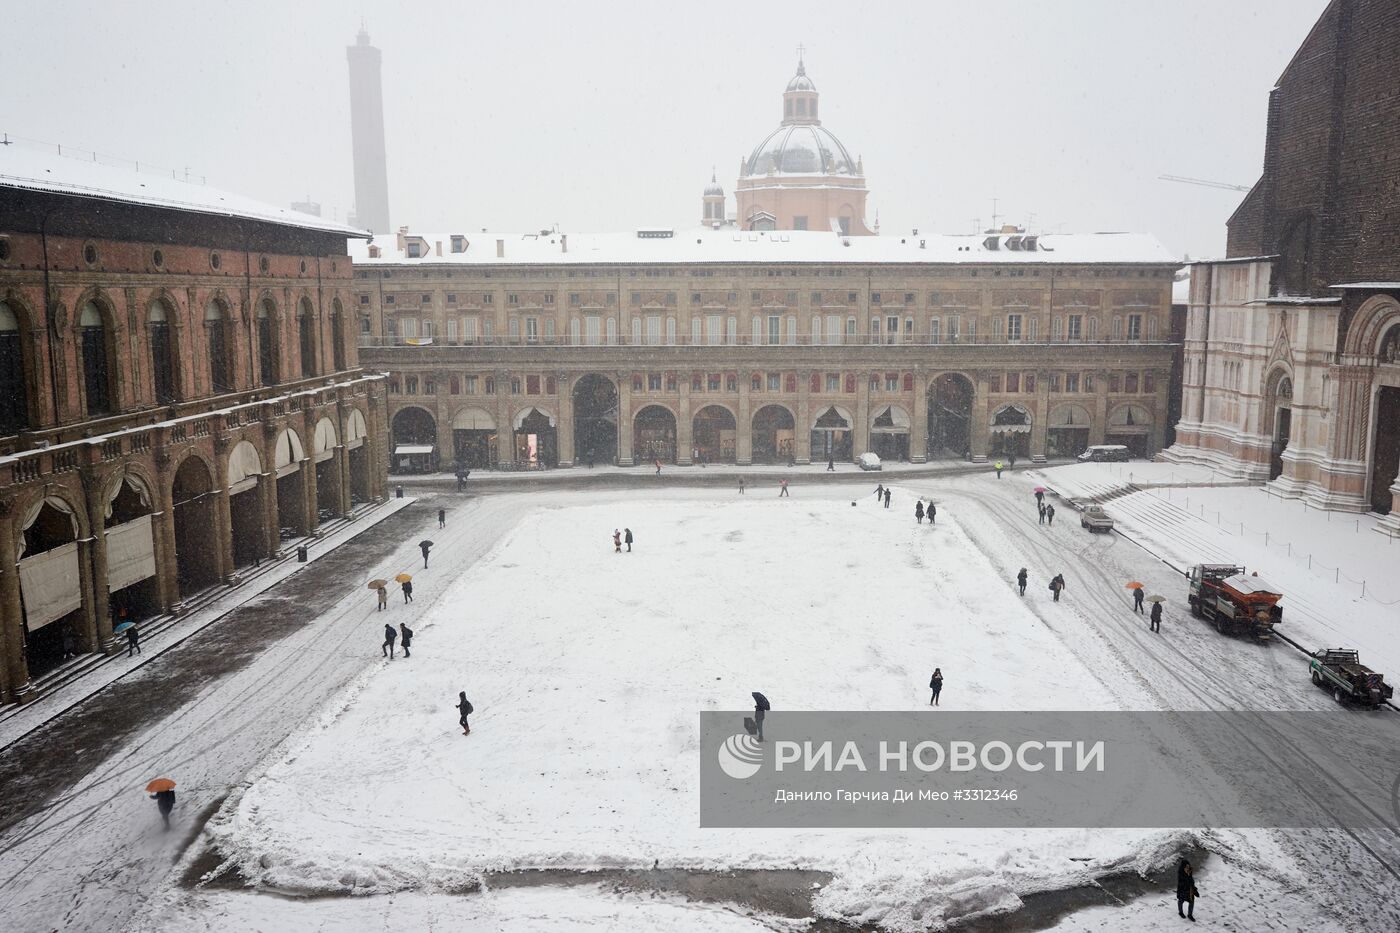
pixel 869 461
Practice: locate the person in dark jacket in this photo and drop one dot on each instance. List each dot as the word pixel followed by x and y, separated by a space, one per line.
pixel 627 539
pixel 931 512
pixel 879 492
pixel 1041 509
pixel 919 512
pixel 390 636
pixel 405 637
pixel 1049 515
pixel 165 802
pixel 442 518
pixel 424 546
pixel 782 489
pixel 408 591
pixel 935 684
pixel 1057 585
pixel 1138 597
pixel 1186 892
pixel 1156 617
pixel 830 464
pixel 1021 580
pixel 1011 461
pixel 464 709
pixel 133 641
pixel 887 498
pixel 1039 498
pixel 758 713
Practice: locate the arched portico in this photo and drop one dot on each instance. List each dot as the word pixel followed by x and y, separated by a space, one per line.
pixel 654 435
pixel 773 435
pixel 833 435
pixel 949 415
pixel 536 438
pixel 595 402
pixel 1277 415
pixel 1010 430
pixel 247 515
pixel 197 548
pixel 53 581
pixel 889 432
pixel 1130 425
pixel 714 434
pixel 414 433
pixel 1067 433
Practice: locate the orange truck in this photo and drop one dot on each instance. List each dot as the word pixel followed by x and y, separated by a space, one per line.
pixel 1235 602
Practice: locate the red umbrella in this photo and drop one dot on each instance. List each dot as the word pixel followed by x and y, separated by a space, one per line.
pixel 1040 489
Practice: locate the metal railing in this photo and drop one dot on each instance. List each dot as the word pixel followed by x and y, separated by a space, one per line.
pixel 372 342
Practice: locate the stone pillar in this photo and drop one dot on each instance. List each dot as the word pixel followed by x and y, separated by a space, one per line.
pixel 685 436
pixel 272 520
pixel 163 526
pixel 980 418
pixel 310 513
pixel 918 430
pixel 342 470
pixel 565 402
pixel 14 671
pixel 860 440
pixel 442 417
pixel 97 610
pixel 743 426
pixel 1098 425
pixel 802 430
pixel 1159 411
pixel 1041 423
pixel 505 431
pixel 624 419
pixel 223 521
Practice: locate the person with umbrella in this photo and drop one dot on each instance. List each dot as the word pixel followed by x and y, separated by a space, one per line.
pixel 162 791
pixel 761 706
pixel 405 637
pixel 425 546
pixel 381 589
pixel 391 635
pixel 1138 597
pixel 1039 496
pixel 1021 580
pixel 1155 617
pixel 935 683
pixel 406 584
pixel 464 709
pixel 133 640
pixel 919 511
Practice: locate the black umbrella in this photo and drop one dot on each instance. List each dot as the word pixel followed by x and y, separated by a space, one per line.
pixel 425 544
pixel 761 702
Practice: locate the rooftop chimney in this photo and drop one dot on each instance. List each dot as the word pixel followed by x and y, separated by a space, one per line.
pixel 500 249
pixel 403 239
pixel 438 246
pixel 564 242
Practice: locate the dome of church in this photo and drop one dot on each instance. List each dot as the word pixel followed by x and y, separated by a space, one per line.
pixel 800 149
pixel 714 187
pixel 800 81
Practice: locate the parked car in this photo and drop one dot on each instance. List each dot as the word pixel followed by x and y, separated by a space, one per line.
pixel 1095 518
pixel 1105 453
pixel 1341 671
pixel 869 461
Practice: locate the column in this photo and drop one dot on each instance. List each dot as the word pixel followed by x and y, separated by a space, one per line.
pixel 1159 414
pixel 442 417
pixel 505 431
pixel 163 527
pixel 1040 426
pixel 685 436
pixel 97 611
pixel 223 522
pixel 272 521
pixel 14 674
pixel 624 419
pixel 743 426
pixel 803 428
pixel 342 470
pixel 980 417
pixel 310 513
pixel 860 441
pixel 565 403
pixel 1098 426
pixel 918 431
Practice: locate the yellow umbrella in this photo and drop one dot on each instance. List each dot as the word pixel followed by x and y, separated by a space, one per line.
pixel 403 578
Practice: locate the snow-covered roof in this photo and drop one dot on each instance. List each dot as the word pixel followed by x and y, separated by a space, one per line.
pixel 35 169
pixel 1181 290
pixel 702 245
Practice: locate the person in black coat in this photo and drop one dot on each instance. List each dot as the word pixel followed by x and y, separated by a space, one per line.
pixel 919 512
pixel 1021 580
pixel 425 547
pixel 408 591
pixel 1039 499
pixel 1049 515
pixel 935 683
pixel 1186 892
pixel 464 709
pixel 1057 585
pixel 1138 597
pixel 758 713
pixel 627 539
pixel 165 802
pixel 879 492
pixel 442 518
pixel 887 498
pixel 931 512
pixel 1156 617
pixel 133 641
pixel 405 637
pixel 390 635
pixel 1041 509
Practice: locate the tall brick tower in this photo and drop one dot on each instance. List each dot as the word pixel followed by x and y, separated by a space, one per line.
pixel 367 136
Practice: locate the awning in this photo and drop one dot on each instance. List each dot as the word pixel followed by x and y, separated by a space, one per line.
pixel 405 450
pixel 893 420
pixel 49 582
pixel 520 418
pixel 131 553
pixel 473 419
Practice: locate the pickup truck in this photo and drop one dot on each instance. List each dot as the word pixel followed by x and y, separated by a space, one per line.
pixel 1095 519
pixel 1341 671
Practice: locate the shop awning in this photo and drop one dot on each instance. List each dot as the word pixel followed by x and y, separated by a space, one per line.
pixel 407 450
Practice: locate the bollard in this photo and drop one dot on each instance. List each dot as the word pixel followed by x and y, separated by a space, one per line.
pixel 398 492
pixel 301 553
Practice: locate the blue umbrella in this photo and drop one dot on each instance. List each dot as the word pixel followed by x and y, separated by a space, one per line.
pixel 123 627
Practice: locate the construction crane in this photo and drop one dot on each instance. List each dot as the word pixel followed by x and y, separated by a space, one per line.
pixel 1203 182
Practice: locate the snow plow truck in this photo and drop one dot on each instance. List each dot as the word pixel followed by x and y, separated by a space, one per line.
pixel 1233 601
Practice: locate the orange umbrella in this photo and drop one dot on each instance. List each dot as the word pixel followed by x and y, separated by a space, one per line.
pixel 1133 585
pixel 403 578
pixel 160 784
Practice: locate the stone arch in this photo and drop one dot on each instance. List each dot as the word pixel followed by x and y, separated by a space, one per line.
pixel 1276 414
pixel 287 451
pixel 247 509
pixel 97 332
pixel 412 428
pixel 1370 324
pixel 325 440
pixel 474 438
pixel 131 472
pixel 192 496
pixel 654 434
pixel 356 436
pixel 773 434
pixel 30 503
pixel 1010 427
pixel 244 467
pixel 18 364
pixel 714 433
pixel 595 400
pixel 890 429
pixel 1129 415
pixel 355 428
pixel 1068 425
pixel 832 434
pixel 950 401
pixel 534 431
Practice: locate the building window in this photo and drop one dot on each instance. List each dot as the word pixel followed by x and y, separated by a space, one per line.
pixel 1013 382
pixel 267 343
pixel 891 382
pixel 994 382
pixel 454 385
pixel 514 385
pixel 775 329
pixel 532 385
pixel 756 383
pixel 850 384
pixel 833 382
pixel 1089 382
pixel 469 384
pixel 653 382
pixel 306 330
pixel 799 223
pixel 1135 327
pixel 490 385
pixel 934 330
pixel 1115 383
pixel 1030 383
pixel 1149 383
pixel 216 334
pixel 410 385
pixel 429 386
pixel 1054 382
pixel 790 383
pixel 775 382
pixel 1071 382
pixel 1130 383
pixel 162 357
pixel 1013 328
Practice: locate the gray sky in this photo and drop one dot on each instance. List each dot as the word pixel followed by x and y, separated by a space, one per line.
pixel 608 116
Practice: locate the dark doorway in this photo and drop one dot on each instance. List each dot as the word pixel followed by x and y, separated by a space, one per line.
pixel 536 444
pixel 196 550
pixel 246 524
pixel 654 435
pixel 831 437
pixel 359 474
pixel 1385 456
pixel 1283 423
pixel 712 432
pixel 949 411
pixel 14 403
pixel 50 531
pixel 772 435
pixel 595 420
pixel 413 428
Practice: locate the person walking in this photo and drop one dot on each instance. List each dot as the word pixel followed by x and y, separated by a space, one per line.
pixel 1057 585
pixel 1155 617
pixel 998 467
pixel 1021 580
pixel 919 511
pixel 405 638
pixel 1186 892
pixel 165 802
pixel 425 547
pixel 407 591
pixel 1049 515
pixel 1011 461
pixel 464 709
pixel 782 489
pixel 935 684
pixel 831 464
pixel 931 512
pixel 390 636
pixel 1039 498
pixel 887 497
pixel 133 641
pixel 1041 510
pixel 383 594
pixel 442 518
pixel 657 461
pixel 879 492
pixel 70 645
pixel 617 541
pixel 741 485
pixel 758 713
pixel 1138 597
pixel 627 539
